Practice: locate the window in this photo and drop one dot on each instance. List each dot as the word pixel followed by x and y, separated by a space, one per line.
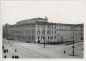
pixel 34 31
pixel 75 29
pixel 52 32
pixel 43 32
pixel 42 37
pixel 38 37
pixel 32 37
pixel 48 31
pixel 48 37
pixel 52 37
pixel 55 32
pixel 38 26
pixel 52 26
pixel 55 37
pixel 48 26
pixel 38 32
pixel 29 31
pixel 59 29
pixel 55 27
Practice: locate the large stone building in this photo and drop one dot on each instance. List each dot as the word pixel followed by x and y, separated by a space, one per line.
pixel 40 30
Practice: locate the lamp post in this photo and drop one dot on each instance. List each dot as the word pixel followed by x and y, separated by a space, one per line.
pixel 62 39
pixel 73 53
pixel 44 36
pixel 44 42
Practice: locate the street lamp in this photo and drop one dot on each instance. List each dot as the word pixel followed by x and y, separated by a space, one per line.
pixel 44 41
pixel 73 42
pixel 62 39
pixel 44 36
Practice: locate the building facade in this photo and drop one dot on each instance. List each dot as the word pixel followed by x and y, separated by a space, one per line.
pixel 40 30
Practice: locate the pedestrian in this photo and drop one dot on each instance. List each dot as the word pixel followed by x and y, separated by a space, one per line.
pixel 7 50
pixel 15 50
pixel 10 44
pixel 4 51
pixel 13 56
pixel 5 56
pixel 17 56
pixel 2 47
pixel 64 51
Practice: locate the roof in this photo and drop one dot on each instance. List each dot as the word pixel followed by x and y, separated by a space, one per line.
pixel 37 18
pixel 47 23
pixel 34 19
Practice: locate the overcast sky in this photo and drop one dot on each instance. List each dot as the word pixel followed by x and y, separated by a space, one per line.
pixel 56 11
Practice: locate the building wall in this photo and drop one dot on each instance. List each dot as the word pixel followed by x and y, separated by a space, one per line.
pixel 58 33
pixel 24 33
pixel 50 32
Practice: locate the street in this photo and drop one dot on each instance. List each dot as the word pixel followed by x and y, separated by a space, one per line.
pixel 34 50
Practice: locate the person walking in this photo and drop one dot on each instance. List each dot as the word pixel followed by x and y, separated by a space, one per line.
pixel 13 56
pixel 5 56
pixel 64 51
pixel 15 50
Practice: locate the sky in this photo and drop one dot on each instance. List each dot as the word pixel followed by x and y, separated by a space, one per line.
pixel 56 11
